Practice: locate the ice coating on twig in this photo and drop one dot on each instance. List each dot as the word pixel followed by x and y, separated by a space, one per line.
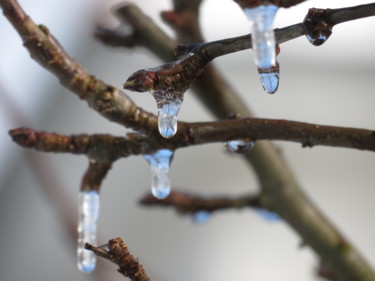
pixel 160 180
pixel 262 35
pixel 268 215
pixel 167 84
pixel 239 146
pixel 270 78
pixel 168 107
pixel 201 216
pixel 88 208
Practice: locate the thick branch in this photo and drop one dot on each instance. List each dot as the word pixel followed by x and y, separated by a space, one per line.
pixel 118 253
pixel 44 48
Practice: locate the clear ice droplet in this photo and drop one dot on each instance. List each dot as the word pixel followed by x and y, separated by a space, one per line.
pixel 268 215
pixel 169 105
pixel 160 180
pixel 239 146
pixel 319 40
pixel 269 79
pixel 262 35
pixel 88 211
pixel 201 216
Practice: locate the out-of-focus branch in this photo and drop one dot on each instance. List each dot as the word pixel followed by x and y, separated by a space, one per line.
pixel 44 48
pixel 186 203
pixel 118 253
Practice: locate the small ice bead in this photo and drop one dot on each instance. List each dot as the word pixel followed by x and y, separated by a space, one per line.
pixel 167 117
pixel 160 179
pixel 88 209
pixel 268 215
pixel 201 216
pixel 262 35
pixel 270 81
pixel 239 146
pixel 317 41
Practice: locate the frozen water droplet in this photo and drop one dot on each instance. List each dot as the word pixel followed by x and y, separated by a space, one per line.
pixel 169 105
pixel 239 146
pixel 268 215
pixel 88 209
pixel 262 35
pixel 160 180
pixel 201 216
pixel 319 40
pixel 269 79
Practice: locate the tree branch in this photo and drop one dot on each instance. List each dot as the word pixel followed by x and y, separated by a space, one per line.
pixel 280 190
pixel 107 148
pixel 118 253
pixel 185 203
pixel 105 99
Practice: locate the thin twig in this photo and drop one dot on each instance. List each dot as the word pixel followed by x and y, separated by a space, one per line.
pixel 107 148
pixel 186 203
pixel 118 253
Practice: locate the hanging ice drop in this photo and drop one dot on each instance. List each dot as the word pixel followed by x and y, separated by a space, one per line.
pixel 239 146
pixel 201 216
pixel 88 209
pixel 269 78
pixel 262 35
pixel 160 180
pixel 168 105
pixel 268 215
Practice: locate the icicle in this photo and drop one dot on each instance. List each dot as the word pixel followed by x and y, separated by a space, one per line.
pixel 262 35
pixel 268 215
pixel 201 216
pixel 269 77
pixel 160 181
pixel 239 146
pixel 168 107
pixel 88 215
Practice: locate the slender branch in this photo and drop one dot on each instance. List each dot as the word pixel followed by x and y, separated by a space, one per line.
pixel 226 46
pixel 45 49
pixel 118 253
pixel 107 148
pixel 99 147
pixel 210 86
pixel 186 203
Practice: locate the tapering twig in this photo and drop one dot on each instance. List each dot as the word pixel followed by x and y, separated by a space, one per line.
pixel 186 203
pixel 107 148
pixel 118 253
pixel 95 174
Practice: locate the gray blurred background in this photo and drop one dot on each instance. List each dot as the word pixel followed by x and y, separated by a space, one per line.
pixel 332 84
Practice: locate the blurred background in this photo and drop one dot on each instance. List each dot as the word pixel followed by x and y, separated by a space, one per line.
pixel 332 84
